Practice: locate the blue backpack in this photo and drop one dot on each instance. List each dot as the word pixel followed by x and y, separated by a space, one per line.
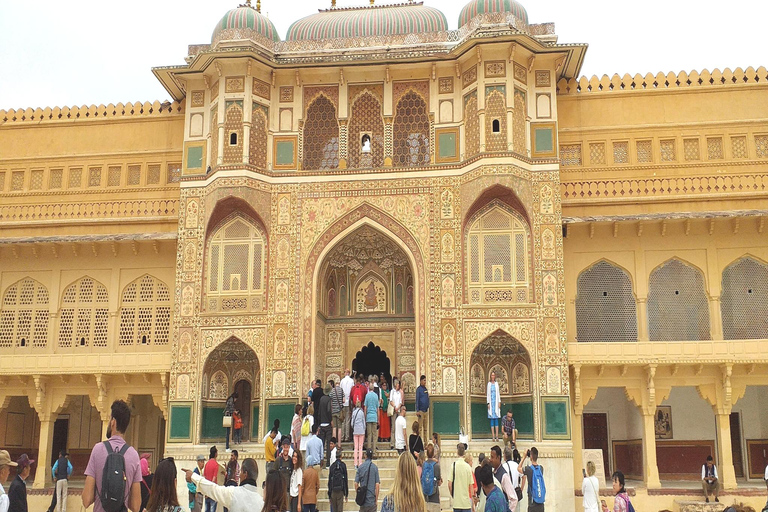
pixel 428 479
pixel 538 488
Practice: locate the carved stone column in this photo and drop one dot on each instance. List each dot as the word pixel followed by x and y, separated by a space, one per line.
pixel 246 142
pixel 42 473
pixel 343 143
pixel 715 318
pixel 577 434
pixel 642 319
pixel 389 148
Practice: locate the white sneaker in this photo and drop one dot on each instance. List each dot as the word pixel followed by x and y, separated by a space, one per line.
pixel 227 450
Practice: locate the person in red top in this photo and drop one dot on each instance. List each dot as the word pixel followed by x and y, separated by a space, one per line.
pixel 358 391
pixel 237 419
pixel 211 473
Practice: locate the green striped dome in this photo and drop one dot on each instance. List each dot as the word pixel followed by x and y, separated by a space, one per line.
pixel 243 19
pixel 477 7
pixel 354 22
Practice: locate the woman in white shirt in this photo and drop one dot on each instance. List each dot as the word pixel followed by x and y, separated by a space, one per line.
pixel 493 400
pixel 296 478
pixel 311 418
pixel 590 489
pixel 396 399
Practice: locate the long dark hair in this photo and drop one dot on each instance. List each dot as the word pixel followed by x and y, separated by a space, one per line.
pixel 163 491
pixel 274 493
pixel 619 477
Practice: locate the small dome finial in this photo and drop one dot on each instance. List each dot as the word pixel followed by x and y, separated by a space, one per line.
pixel 333 4
pixel 258 5
pixel 372 2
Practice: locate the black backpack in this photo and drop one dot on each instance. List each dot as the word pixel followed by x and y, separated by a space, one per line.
pixel 113 480
pixel 337 480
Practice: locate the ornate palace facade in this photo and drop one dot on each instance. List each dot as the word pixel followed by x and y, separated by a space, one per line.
pixel 379 192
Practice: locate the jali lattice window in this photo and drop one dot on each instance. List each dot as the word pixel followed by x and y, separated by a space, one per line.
pixel 471 125
pixel 411 131
pixel 258 143
pixel 366 117
pixel 84 315
pixel 24 315
pixel 145 313
pixel 236 263
pixel 321 136
pixel 678 309
pixel 498 248
pixel 621 152
pixel 744 301
pixel 605 305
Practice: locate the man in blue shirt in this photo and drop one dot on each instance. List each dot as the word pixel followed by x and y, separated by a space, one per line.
pixel 371 418
pixel 62 470
pixel 422 407
pixel 314 448
pixel 367 475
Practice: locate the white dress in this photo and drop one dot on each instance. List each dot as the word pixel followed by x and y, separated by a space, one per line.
pixel 494 399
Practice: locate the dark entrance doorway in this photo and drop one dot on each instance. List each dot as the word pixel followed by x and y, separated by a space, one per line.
pixel 372 360
pixel 596 436
pixel 738 459
pixel 60 436
pixel 243 404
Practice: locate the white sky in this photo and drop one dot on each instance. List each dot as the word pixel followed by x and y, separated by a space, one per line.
pixel 57 53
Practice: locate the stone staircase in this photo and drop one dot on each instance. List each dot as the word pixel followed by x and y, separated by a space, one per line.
pixel 698 506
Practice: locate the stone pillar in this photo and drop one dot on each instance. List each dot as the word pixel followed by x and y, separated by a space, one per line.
pixel 724 460
pixel 577 435
pixel 344 143
pixel 389 149
pixel 220 154
pixel 43 472
pixel 642 319
pixel 650 466
pixel 715 318
pixel 246 142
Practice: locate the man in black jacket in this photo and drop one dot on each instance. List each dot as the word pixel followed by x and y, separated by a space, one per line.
pixel 17 494
pixel 324 418
pixel 338 484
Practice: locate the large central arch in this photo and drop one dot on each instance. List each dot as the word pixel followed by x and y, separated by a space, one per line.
pixel 364 215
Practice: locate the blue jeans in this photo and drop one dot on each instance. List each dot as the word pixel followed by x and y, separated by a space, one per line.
pixel 311 507
pixel 210 505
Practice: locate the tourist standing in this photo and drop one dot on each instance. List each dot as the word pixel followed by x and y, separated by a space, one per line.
pixel 325 418
pixel 493 401
pixel 317 393
pixel 534 474
pixel 371 418
pixel 229 410
pixel 62 470
pixel 338 483
pixel 367 476
pixel 460 482
pixel 494 498
pixel 118 423
pixel 5 470
pixel 509 429
pixel 501 475
pixel 358 432
pixel 211 473
pixel 163 497
pixel 422 406
pixel 436 443
pixel 396 399
pixel 314 448
pixel 310 488
pixel 431 474
pixel 274 494
pixel 766 476
pixel 297 482
pixel 284 466
pixel 146 479
pixel 306 429
pixel 407 493
pixel 232 471
pixel 621 501
pixel 237 423
pixel 270 450
pixel 384 428
pixel 709 480
pixel 337 409
pixel 511 461
pixel 296 427
pixel 590 489
pixel 196 499
pixel 415 443
pixel 400 426
pixel 242 498
pixel 347 383
pixel 17 493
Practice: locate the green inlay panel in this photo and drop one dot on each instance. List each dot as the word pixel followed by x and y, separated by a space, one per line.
pixel 195 157
pixel 446 417
pixel 446 145
pixel 181 422
pixel 556 418
pixel 255 423
pixel 490 88
pixel 544 140
pixel 522 411
pixel 212 423
pixel 285 152
pixel 283 412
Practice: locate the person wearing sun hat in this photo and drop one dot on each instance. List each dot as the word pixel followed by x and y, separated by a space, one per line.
pixel 17 493
pixel 5 470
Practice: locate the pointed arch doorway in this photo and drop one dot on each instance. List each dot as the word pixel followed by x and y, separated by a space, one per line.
pixel 372 360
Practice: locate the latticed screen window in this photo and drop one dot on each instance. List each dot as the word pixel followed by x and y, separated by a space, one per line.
pixel 471 125
pixel 366 117
pixel 739 147
pixel 644 151
pixel 570 155
pixel 691 149
pixel 55 178
pixel 597 153
pixel 36 180
pixel 75 178
pixel 605 305
pixel 761 146
pixel 744 301
pixel 84 315
pixel 153 174
pixel 667 148
pixel 498 248
pixel 113 176
pixel 134 174
pixel 321 136
pixel 24 315
pixel 411 131
pixel 678 309
pixel 236 254
pixel 145 313
pixel 715 148
pixel 621 152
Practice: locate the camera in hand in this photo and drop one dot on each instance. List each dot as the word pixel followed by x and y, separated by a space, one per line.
pixel 528 453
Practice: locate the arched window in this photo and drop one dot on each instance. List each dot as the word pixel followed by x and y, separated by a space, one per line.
pixel 236 263
pixel 498 245
pixel 145 313
pixel 744 300
pixel 321 136
pixel 605 305
pixel 24 315
pixel 678 309
pixel 84 315
pixel 411 131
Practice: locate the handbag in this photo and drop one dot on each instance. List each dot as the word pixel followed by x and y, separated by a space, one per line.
pixel 227 422
pixel 390 409
pixel 518 489
pixel 362 491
